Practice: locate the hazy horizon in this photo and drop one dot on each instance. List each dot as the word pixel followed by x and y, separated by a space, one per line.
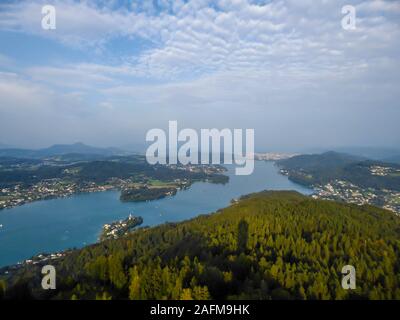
pixel 383 151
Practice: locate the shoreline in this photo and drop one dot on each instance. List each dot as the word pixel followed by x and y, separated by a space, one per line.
pixel 121 187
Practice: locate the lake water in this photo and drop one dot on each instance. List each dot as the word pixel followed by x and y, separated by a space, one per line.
pixel 59 224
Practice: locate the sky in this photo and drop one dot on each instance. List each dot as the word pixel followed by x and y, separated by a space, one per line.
pixel 112 70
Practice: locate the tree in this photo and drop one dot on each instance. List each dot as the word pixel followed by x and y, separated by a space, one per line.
pixel 98 269
pixel 117 275
pixel 134 288
pixel 201 293
pixel 103 296
pixel 2 289
pixel 186 294
pixel 243 235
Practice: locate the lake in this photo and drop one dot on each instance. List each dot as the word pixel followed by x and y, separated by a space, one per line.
pixel 59 224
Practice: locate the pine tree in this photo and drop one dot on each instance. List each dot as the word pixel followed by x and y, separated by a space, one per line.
pixel 2 289
pixel 117 275
pixel 201 293
pixel 134 287
pixel 186 294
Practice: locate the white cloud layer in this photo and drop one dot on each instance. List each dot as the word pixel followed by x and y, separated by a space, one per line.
pixel 270 58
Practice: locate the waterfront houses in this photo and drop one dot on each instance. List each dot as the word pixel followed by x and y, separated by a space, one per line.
pixel 341 190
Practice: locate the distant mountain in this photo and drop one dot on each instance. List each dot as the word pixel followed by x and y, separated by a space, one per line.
pixel 329 160
pixel 17 153
pixel 139 148
pixel 60 149
pixel 374 153
pixel 319 169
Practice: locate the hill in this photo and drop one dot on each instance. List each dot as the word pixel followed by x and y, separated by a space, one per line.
pixel 80 148
pixel 374 153
pixel 328 160
pixel 269 245
pixel 59 150
pixel 319 169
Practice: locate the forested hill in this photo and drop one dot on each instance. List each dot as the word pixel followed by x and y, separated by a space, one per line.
pixel 324 161
pixel 269 245
pixel 319 169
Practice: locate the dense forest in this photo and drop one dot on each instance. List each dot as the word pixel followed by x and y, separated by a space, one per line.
pixel 268 245
pixel 319 169
pixel 146 193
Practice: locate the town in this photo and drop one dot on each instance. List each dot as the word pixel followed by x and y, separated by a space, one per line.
pixel 340 190
pixel 119 228
pixel 47 189
pixel 345 178
pixel 273 156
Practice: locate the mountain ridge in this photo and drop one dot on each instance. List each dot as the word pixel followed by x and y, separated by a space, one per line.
pixel 59 150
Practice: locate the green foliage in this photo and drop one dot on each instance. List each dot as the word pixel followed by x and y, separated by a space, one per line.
pixel 2 288
pixel 134 288
pixel 117 275
pixel 103 296
pixel 146 194
pixel 323 168
pixel 243 235
pixel 270 245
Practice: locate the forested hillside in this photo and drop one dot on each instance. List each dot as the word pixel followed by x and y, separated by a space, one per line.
pixel 269 245
pixel 319 169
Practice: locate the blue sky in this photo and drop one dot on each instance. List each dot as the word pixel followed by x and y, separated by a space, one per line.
pixel 112 70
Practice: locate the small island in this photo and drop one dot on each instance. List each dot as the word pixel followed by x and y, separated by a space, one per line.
pixel 120 228
pixel 145 193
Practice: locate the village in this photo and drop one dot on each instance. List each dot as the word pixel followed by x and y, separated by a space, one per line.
pixel 119 228
pixel 340 190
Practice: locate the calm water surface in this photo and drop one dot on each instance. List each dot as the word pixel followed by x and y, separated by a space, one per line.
pixel 58 224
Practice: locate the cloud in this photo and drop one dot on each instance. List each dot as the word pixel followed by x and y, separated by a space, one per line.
pixel 380 6
pixel 273 59
pixel 6 61
pixel 74 76
pixel 199 36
